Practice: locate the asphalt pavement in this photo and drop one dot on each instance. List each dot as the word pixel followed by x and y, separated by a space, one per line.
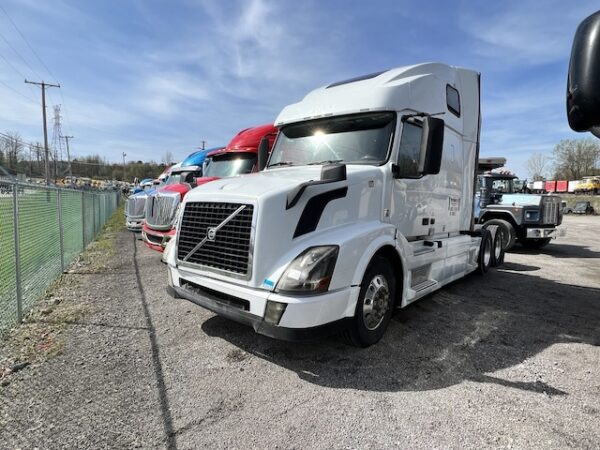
pixel 507 360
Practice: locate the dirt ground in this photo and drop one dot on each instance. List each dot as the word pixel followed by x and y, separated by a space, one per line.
pixel 509 360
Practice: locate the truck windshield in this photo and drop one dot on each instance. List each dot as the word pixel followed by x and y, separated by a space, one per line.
pixel 501 186
pixel 183 177
pixel 230 165
pixel 354 139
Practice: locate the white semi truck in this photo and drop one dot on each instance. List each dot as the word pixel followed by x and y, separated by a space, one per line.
pixel 365 204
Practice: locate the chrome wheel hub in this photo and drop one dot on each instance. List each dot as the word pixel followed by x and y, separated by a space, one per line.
pixel 376 302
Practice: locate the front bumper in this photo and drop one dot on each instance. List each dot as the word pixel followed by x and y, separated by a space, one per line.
pixel 542 233
pixel 304 318
pixel 134 224
pixel 157 240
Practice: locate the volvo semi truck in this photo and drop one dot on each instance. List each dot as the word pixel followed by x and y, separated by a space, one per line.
pixel 365 205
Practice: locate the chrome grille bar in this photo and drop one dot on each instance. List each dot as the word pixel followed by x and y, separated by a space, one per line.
pixel 161 210
pixel 216 236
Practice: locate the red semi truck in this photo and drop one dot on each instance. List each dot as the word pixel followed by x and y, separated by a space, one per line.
pixel 239 157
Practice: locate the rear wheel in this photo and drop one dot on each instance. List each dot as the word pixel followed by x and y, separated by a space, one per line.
pixel 484 261
pixel 375 304
pixel 507 229
pixel 536 243
pixel 497 245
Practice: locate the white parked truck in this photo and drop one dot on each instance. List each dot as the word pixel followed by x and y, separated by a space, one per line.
pixel 365 204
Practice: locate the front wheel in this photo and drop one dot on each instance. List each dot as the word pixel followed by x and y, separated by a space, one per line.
pixel 375 304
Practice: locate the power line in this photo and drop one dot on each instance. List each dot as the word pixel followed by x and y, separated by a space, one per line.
pixel 28 45
pixel 20 56
pixel 37 56
pixel 11 66
pixel 17 92
pixel 29 143
pixel 17 71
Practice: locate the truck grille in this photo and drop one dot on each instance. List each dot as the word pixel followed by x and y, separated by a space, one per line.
pixel 230 249
pixel 161 210
pixel 551 208
pixel 135 206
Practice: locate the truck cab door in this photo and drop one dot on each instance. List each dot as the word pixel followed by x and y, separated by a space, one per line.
pixel 410 206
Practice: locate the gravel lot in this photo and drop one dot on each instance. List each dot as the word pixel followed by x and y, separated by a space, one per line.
pixel 510 360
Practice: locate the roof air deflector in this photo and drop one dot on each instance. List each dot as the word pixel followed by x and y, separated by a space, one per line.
pixel 359 78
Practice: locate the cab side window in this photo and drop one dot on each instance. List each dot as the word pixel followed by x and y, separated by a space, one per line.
pixel 453 100
pixel 410 151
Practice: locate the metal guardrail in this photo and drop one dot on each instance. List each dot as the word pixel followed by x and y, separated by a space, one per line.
pixel 42 230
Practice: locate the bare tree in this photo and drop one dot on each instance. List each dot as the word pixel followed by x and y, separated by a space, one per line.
pixel 537 166
pixel 11 146
pixel 168 158
pixel 576 158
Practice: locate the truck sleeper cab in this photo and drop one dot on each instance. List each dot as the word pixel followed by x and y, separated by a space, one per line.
pixel 366 204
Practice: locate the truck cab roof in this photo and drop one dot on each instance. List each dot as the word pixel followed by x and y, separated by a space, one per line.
pixel 248 140
pixel 413 88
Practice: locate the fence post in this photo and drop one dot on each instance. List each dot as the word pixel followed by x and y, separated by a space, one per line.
pixel 83 219
pixel 61 243
pixel 17 252
pixel 94 212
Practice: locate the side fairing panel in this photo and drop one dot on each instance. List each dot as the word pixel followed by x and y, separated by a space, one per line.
pixel 470 92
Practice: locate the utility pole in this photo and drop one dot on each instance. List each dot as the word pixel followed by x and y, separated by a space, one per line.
pixel 66 138
pixel 124 176
pixel 44 86
pixel 203 145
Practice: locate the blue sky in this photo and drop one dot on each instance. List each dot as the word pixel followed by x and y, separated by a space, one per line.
pixel 145 77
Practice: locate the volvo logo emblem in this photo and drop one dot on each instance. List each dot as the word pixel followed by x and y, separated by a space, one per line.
pixel 211 234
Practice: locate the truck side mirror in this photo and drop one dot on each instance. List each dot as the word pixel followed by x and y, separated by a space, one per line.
pixel 205 165
pixel 432 144
pixel 583 83
pixel 263 153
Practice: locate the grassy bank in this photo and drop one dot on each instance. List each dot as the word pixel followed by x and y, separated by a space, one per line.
pixel 43 331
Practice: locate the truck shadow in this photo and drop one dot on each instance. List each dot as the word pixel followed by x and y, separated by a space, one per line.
pixel 466 331
pixel 558 251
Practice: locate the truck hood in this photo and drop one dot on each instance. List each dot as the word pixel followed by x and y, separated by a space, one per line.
pixel 520 200
pixel 203 180
pixel 177 188
pixel 281 230
pixel 276 181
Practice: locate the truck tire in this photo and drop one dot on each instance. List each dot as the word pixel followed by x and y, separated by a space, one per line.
pixel 536 243
pixel 510 235
pixel 484 260
pixel 374 306
pixel 497 245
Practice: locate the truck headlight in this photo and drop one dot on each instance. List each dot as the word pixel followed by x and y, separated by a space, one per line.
pixel 310 272
pixel 532 215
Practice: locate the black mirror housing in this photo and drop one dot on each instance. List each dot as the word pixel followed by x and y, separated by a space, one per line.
pixel 583 84
pixel 263 153
pixel 432 145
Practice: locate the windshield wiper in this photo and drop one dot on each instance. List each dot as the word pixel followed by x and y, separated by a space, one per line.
pixel 327 161
pixel 282 163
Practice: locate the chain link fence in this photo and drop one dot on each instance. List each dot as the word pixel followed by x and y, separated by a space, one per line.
pixel 42 230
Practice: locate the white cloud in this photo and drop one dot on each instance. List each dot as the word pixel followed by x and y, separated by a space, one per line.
pixel 525 32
